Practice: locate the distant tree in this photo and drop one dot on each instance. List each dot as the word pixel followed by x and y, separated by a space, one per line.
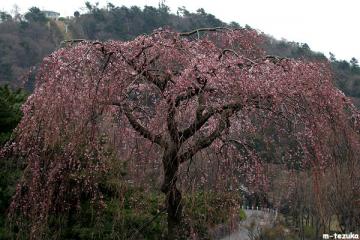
pixel 15 12
pixel 76 14
pixel 92 8
pixel 234 25
pixel 181 95
pixel 10 113
pixel 89 6
pixel 4 16
pixel 354 63
pixel 248 27
pixel 182 11
pixel 110 6
pixel 344 65
pixel 332 57
pixel 35 15
pixel 201 11
pixel 163 8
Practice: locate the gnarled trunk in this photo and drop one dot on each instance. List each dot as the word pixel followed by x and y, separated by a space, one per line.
pixel 174 211
pixel 173 195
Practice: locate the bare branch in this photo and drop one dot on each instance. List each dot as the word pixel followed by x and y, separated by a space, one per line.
pixel 171 122
pixel 197 31
pixel 142 51
pixel 196 125
pixel 236 54
pixel 201 118
pixel 172 125
pixel 107 61
pixel 143 71
pixel 243 147
pixel 273 59
pixel 186 95
pixel 191 93
pixel 71 41
pixel 204 142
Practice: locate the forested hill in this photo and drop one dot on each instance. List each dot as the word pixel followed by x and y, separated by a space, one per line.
pixel 26 40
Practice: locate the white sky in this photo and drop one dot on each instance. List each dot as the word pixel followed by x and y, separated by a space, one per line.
pixel 326 25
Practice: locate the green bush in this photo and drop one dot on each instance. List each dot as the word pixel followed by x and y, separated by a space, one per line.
pixel 309 232
pixel 139 214
pixel 205 210
pixel 242 215
pixel 135 215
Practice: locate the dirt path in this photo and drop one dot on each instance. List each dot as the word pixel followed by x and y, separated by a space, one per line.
pixel 255 219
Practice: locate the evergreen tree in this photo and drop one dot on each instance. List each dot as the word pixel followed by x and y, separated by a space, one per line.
pixel 35 15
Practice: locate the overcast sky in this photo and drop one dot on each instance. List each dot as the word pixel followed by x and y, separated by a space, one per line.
pixel 326 25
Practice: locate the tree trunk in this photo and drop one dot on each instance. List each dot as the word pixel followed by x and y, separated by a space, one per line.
pixel 174 210
pixel 173 195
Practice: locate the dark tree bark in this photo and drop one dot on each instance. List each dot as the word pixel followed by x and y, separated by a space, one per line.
pixel 169 188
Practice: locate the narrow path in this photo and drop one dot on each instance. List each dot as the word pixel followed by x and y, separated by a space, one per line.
pixel 255 219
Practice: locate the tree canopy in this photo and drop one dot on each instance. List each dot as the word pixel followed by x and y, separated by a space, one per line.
pixel 180 94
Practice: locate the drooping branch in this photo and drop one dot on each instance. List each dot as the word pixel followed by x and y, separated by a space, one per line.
pixel 155 138
pixel 243 147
